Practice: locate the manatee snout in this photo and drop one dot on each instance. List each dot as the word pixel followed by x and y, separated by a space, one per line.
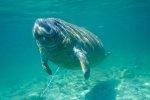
pixel 44 30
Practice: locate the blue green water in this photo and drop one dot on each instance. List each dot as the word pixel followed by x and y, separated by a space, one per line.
pixel 122 25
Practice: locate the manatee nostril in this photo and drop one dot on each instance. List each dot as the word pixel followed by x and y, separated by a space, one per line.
pixel 42 23
pixel 45 26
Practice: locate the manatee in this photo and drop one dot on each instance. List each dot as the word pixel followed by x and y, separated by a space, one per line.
pixel 67 45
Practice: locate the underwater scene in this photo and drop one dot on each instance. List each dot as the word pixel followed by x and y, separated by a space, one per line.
pixel 82 30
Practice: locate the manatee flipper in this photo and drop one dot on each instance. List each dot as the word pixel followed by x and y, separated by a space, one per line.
pixel 81 55
pixel 45 66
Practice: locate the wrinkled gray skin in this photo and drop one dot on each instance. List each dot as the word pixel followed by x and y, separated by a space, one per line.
pixel 67 45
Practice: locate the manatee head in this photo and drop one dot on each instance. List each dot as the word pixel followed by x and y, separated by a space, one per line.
pixel 45 31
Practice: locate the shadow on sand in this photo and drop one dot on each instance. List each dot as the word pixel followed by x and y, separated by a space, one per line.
pixel 104 90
